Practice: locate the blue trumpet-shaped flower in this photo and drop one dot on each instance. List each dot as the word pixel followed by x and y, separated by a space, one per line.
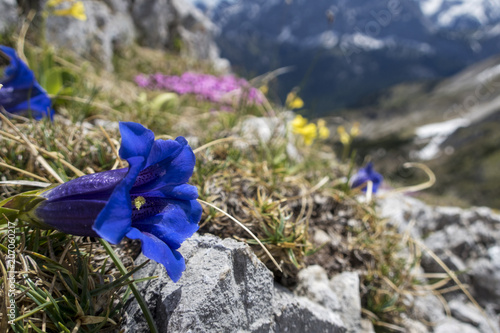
pixel 150 200
pixel 367 174
pixel 21 93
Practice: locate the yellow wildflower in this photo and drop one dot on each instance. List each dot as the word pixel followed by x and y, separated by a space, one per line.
pixel 345 138
pixel 297 103
pixel 293 101
pixel 309 133
pixel 323 131
pixel 298 122
pixel 355 130
pixel 54 3
pixel 77 10
pixel 264 89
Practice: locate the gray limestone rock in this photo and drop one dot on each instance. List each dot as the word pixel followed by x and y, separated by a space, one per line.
pixel 195 30
pixel 367 326
pixel 469 314
pixel 465 239
pixel 170 23
pixel 428 308
pixel 314 284
pixel 153 20
pixel 413 326
pixel 225 288
pixel 340 294
pixel 112 25
pixel 346 286
pixel 450 325
pixel 406 213
pixel 299 314
pixel 485 276
pixel 8 14
pixel 260 130
pixel 105 30
pixel 446 216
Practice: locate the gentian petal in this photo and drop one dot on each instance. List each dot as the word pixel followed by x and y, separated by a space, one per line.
pixel 74 217
pixel 97 185
pixel 115 219
pixel 38 106
pixel 163 149
pixel 162 154
pixel 359 178
pixel 178 221
pixel 21 92
pixel 17 74
pixel 180 192
pixel 170 163
pixel 136 140
pixel 367 174
pixel 155 249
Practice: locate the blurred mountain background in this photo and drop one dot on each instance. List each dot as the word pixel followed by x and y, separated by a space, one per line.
pixel 393 65
pixel 345 53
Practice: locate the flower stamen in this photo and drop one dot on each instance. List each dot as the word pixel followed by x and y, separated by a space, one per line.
pixel 138 202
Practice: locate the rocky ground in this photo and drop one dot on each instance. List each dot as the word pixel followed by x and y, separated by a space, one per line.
pixel 227 289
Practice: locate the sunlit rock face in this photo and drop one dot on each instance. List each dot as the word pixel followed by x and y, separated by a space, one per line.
pixel 112 25
pixel 8 13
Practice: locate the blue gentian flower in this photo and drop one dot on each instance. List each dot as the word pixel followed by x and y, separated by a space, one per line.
pixel 367 174
pixel 21 93
pixel 150 200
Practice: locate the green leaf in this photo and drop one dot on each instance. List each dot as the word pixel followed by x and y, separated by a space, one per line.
pixel 33 326
pixel 22 202
pixel 159 101
pixel 53 82
pixel 8 214
pixel 89 320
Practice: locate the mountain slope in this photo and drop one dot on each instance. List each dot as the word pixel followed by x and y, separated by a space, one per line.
pixel 461 13
pixel 451 125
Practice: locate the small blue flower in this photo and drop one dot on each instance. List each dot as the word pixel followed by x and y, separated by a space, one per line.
pixel 150 200
pixel 21 93
pixel 367 174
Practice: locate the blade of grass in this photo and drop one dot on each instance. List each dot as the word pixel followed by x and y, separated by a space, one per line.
pixel 454 277
pixel 246 229
pixel 43 179
pixel 133 286
pixel 418 187
pixel 115 151
pixel 51 154
pixel 205 146
pixel 31 147
pixel 25 183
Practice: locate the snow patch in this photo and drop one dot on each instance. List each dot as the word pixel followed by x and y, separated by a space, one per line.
pixel 430 7
pixel 437 133
pixel 489 74
pixel 328 39
pixel 366 42
pixel 471 8
pixel 286 35
pixel 447 12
